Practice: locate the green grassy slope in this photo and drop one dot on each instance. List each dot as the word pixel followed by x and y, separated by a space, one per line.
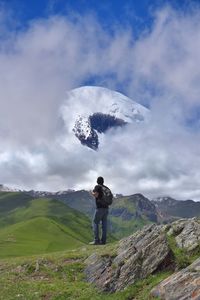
pixel 126 216
pixel 30 226
pixel 127 213
pixel 60 276
pixel 81 200
pixel 122 228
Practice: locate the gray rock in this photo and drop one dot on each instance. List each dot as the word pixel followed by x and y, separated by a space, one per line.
pixel 186 232
pixel 99 271
pixel 189 237
pixel 176 227
pixel 184 285
pixel 137 257
pixel 146 252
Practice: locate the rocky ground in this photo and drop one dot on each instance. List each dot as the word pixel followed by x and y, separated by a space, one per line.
pixel 157 262
pixel 181 285
pixel 155 248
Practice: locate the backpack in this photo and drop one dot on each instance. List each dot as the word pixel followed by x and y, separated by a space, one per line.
pixel 107 197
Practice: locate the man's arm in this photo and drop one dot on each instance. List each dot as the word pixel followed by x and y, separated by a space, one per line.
pixel 96 191
pixel 95 194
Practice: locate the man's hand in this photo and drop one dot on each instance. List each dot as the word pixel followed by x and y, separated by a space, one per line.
pixel 95 194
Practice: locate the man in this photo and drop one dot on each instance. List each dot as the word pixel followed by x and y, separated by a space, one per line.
pixel 101 213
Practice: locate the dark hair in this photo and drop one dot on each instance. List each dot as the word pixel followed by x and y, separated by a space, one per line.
pixel 100 180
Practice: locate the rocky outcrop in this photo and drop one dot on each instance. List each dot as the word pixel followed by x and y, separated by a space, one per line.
pixel 147 252
pixel 184 285
pixel 137 257
pixel 186 233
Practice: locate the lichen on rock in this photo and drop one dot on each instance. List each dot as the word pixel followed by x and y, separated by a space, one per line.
pixel 149 251
pixel 137 257
pixel 184 285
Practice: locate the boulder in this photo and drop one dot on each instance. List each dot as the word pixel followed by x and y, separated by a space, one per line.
pixel 186 232
pixel 184 285
pixel 138 256
pixel 189 238
pixel 176 227
pixel 146 252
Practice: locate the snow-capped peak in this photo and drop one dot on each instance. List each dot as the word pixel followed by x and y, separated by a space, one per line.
pixel 4 188
pixel 92 110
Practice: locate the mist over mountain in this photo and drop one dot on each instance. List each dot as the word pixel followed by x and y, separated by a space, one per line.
pixel 89 89
pixel 104 110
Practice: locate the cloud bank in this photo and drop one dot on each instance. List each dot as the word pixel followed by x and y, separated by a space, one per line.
pixel 160 69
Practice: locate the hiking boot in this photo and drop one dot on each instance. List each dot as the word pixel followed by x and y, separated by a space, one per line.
pixel 94 243
pixel 102 243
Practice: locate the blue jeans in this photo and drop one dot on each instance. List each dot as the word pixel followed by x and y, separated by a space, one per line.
pixel 100 216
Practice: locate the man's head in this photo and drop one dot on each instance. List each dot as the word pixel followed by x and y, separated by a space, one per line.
pixel 100 180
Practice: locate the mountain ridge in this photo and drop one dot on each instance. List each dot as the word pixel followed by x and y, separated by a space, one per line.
pixel 127 213
pixel 104 109
pixel 170 207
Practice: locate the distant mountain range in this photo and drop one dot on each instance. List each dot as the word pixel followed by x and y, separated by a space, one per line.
pixel 170 208
pixel 127 213
pixel 160 209
pixel 4 188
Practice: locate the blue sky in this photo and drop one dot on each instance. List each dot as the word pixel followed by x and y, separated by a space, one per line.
pixel 150 52
pixel 137 16
pixel 138 13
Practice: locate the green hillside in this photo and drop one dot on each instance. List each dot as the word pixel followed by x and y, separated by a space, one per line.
pixel 130 213
pixel 81 200
pixel 127 213
pixel 32 226
pixel 61 276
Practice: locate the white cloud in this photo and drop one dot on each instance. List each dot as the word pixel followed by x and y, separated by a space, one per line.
pixel 52 56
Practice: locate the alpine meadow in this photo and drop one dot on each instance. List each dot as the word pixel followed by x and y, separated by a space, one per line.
pixel 99 150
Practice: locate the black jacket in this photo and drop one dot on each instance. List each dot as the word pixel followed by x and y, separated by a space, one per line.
pixel 98 189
